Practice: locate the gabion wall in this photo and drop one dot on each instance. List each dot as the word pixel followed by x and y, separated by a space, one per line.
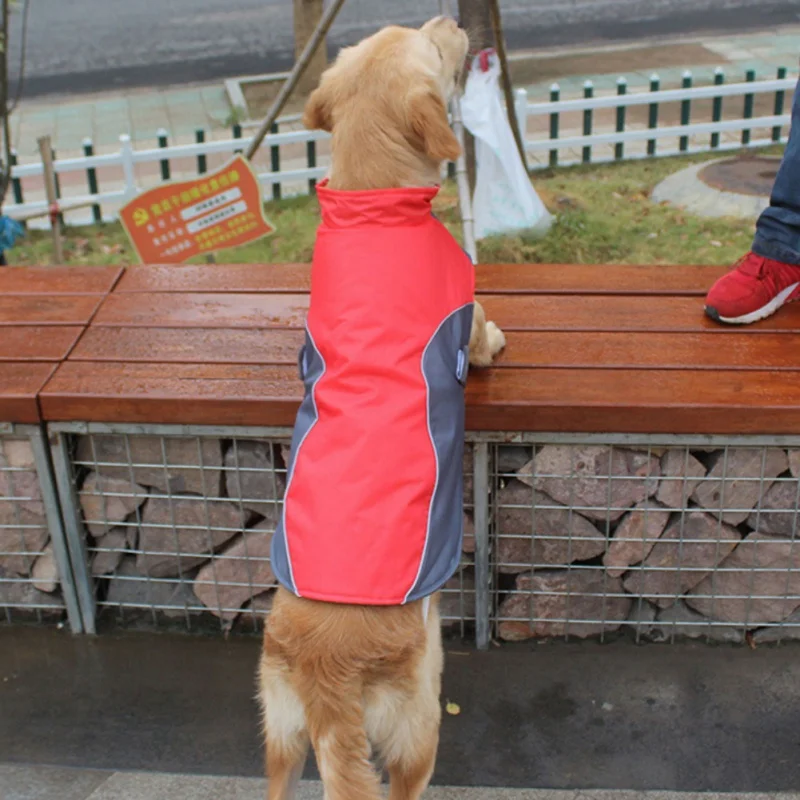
pixel 662 542
pixel 178 529
pixel 32 582
pixel 600 537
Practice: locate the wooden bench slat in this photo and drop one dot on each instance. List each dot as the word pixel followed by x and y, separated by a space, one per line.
pixel 204 310
pixel 173 393
pixel 511 312
pixel 511 278
pixel 589 279
pixel 203 278
pixel 639 313
pixel 190 345
pixel 58 280
pixel 562 349
pixel 576 400
pixel 570 349
pixel 20 384
pixel 37 343
pixel 43 309
pixel 634 401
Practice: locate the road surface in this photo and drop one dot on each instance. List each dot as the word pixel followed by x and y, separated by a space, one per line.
pixel 95 45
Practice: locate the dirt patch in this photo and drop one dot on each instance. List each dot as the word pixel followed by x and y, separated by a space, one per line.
pixel 259 97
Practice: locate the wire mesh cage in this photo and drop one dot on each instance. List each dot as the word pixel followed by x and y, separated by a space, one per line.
pixel 595 539
pixel 33 583
pixel 175 528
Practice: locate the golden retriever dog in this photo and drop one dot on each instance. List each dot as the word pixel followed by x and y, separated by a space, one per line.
pixel 357 682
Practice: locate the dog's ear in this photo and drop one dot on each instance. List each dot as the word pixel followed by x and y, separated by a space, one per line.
pixel 428 118
pixel 317 113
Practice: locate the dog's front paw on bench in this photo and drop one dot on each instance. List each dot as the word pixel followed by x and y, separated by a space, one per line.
pixel 495 338
pixel 486 339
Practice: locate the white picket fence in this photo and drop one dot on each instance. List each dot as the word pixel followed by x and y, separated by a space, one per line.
pixel 554 141
pixel 677 138
pixel 126 159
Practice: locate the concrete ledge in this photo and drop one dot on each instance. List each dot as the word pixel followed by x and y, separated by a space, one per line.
pixel 54 783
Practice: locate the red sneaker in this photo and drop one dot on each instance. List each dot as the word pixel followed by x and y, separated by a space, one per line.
pixel 754 290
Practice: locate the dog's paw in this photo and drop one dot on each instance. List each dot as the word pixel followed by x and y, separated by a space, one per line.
pixel 495 338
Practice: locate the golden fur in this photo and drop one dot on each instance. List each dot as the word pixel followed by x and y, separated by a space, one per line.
pixel 362 681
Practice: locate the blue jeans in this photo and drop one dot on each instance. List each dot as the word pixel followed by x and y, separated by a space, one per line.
pixel 778 227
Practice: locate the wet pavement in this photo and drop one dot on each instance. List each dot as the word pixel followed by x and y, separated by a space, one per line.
pixel 557 716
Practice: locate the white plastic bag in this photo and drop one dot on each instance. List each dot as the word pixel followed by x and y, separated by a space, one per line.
pixel 505 200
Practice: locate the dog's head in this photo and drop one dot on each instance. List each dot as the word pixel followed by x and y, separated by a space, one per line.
pixel 386 97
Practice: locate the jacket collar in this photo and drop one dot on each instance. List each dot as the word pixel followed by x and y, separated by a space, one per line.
pixel 407 206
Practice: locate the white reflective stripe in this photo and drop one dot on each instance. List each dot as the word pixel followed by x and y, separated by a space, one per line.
pixel 463 365
pixel 426 607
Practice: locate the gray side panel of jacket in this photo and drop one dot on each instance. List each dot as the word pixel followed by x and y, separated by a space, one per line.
pixel 446 409
pixel 312 368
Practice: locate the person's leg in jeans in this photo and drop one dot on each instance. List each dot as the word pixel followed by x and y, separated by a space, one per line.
pixel 768 276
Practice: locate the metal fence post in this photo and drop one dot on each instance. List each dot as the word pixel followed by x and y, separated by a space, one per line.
pixel 483 578
pixel 719 79
pixel 555 96
pixel 91 176
pixel 749 100
pixel 16 183
pixel 202 165
pixel 652 117
pixel 44 470
pixel 74 530
pixel 780 100
pixel 311 159
pixel 686 111
pixel 163 143
pixel 275 164
pixel 622 90
pixel 588 94
pixel 237 134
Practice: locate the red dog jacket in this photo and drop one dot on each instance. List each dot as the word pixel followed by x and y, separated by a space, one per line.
pixel 373 507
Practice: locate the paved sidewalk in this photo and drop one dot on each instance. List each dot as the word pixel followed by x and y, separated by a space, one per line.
pixel 55 783
pixel 762 51
pixel 141 113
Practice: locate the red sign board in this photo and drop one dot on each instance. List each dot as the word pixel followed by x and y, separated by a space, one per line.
pixel 176 221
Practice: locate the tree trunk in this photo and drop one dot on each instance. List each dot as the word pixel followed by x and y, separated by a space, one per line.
pixel 476 19
pixel 505 79
pixel 307 14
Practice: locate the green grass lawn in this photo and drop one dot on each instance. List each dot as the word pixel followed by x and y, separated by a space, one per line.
pixel 604 215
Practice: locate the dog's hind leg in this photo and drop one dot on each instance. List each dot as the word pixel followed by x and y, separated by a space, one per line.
pixel 411 772
pixel 284 769
pixel 404 721
pixel 285 730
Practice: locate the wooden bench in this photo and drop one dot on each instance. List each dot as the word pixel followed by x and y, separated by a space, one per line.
pixel 43 313
pixel 182 360
pixel 590 349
